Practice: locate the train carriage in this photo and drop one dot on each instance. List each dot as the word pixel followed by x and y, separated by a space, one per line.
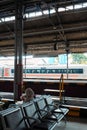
pixel 50 71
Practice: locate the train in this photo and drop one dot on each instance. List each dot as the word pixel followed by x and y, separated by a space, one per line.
pixel 48 71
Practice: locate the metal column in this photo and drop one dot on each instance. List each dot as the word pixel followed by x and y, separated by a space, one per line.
pixel 67 64
pixel 18 73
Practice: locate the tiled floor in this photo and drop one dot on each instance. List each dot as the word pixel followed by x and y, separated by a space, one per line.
pixel 73 123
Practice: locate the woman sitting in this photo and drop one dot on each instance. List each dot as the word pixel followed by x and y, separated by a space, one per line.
pixel 28 96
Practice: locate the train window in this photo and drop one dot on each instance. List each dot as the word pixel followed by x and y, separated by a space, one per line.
pixel 12 70
pixel 62 70
pixel 53 70
pixel 43 71
pixel 78 71
pixel 70 71
pixel 65 71
pixel 74 71
pixel 49 71
pixel 38 70
pixel 27 71
pixel 59 70
pixel 35 70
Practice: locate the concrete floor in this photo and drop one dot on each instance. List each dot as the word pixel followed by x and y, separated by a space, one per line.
pixel 73 123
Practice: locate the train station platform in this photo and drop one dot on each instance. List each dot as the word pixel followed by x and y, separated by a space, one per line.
pixel 77 106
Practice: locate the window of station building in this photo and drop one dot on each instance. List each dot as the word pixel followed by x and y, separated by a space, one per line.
pixel 46 12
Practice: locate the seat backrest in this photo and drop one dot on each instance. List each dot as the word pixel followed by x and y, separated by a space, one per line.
pixel 49 99
pixel 30 111
pixel 12 118
pixel 49 102
pixel 41 106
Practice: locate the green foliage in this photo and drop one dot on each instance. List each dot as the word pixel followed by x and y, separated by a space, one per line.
pixel 79 59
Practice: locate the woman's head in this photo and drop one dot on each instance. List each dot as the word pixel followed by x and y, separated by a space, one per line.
pixel 29 94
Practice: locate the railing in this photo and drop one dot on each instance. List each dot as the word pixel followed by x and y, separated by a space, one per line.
pixel 60 90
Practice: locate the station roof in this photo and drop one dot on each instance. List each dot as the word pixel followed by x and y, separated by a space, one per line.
pixel 50 27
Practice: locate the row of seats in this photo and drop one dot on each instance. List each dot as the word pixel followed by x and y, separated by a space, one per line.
pixel 39 114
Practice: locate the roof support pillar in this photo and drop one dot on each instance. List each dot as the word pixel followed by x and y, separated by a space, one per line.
pixel 18 71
